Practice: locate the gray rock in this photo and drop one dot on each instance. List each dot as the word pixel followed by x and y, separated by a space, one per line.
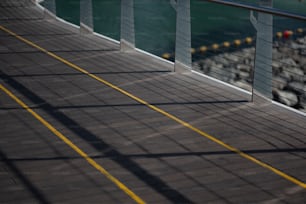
pixel 301 40
pixel 297 46
pixel 292 74
pixel 246 61
pixel 248 53
pixel 297 74
pixel 276 64
pixel 205 65
pixel 279 83
pixel 286 97
pixel 276 54
pixel 302 61
pixel 243 67
pixel 296 87
pixel 242 84
pixel 244 75
pixel 221 60
pixel 276 67
pixel 284 49
pixel 288 62
pixel 232 57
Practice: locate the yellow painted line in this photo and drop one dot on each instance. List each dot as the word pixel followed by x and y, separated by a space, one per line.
pixel 170 116
pixel 92 162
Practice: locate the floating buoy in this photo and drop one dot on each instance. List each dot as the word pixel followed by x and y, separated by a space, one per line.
pixel 192 50
pixel 237 43
pixel 287 33
pixel 299 30
pixel 215 46
pixel 226 44
pixel 166 56
pixel 279 34
pixel 203 49
pixel 248 40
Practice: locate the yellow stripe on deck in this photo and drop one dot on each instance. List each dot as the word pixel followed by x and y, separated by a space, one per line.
pixel 92 162
pixel 161 111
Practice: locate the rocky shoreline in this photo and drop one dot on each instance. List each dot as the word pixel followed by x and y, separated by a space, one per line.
pixel 288 67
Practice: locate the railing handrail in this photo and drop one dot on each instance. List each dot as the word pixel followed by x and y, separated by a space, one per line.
pixel 273 11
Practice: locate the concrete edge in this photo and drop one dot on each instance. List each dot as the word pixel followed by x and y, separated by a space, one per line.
pixel 85 29
pixel 221 82
pixel 180 67
pixel 126 46
pixel 289 108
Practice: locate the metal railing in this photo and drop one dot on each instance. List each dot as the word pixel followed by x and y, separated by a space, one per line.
pixel 269 61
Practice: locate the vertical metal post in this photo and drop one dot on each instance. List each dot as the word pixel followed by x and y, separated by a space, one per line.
pixel 50 9
pixel 127 36
pixel 183 36
pixel 86 17
pixel 262 78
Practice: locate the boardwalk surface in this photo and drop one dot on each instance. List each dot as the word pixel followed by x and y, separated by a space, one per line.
pixel 162 137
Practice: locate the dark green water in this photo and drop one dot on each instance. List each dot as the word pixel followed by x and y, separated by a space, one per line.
pixel 155 21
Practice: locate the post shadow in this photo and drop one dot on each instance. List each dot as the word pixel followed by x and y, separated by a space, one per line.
pixel 100 145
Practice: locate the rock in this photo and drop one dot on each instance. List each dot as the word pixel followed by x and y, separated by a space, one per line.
pixel 279 83
pixel 301 40
pixel 302 61
pixel 276 54
pixel 248 53
pixel 243 67
pixel 216 71
pixel 297 74
pixel 276 64
pixel 250 50
pixel 203 66
pixel 297 46
pixel 286 75
pixel 247 61
pixel 198 65
pixel 221 60
pixel 284 49
pixel 244 75
pixel 242 84
pixel 231 57
pixel 286 97
pixel 296 87
pixel 292 74
pixel 288 62
pixel 276 67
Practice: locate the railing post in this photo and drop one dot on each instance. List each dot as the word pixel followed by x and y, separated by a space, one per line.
pixel 183 36
pixel 127 36
pixel 86 17
pixel 50 9
pixel 262 75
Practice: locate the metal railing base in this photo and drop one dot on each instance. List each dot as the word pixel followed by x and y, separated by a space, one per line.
pixel 260 99
pixel 84 29
pixel 126 46
pixel 181 68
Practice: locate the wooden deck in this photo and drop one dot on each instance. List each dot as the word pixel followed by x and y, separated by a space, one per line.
pixel 82 122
